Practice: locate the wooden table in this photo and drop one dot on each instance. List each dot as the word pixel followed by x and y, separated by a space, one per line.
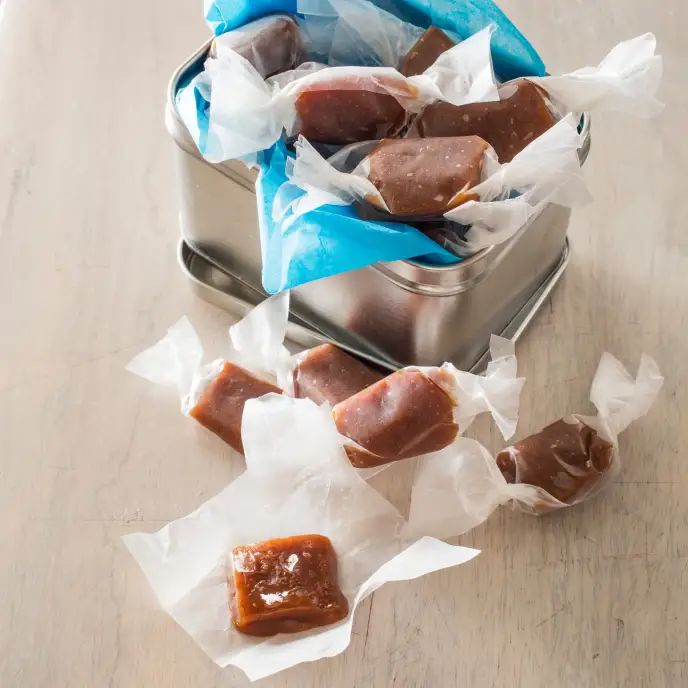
pixel 88 222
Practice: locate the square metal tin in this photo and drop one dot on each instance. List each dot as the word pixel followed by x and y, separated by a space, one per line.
pixel 396 314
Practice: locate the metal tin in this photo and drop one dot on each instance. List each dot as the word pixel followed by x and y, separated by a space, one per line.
pixel 224 290
pixel 227 292
pixel 399 313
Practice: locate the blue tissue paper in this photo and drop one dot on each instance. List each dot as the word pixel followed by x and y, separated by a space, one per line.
pixel 329 240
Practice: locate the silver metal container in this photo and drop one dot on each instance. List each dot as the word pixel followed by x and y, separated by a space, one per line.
pixel 398 313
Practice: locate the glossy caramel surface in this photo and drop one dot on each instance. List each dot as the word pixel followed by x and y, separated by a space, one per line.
pixel 566 459
pixel 285 585
pixel 350 109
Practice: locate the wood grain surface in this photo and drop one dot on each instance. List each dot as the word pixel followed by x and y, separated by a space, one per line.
pixel 88 224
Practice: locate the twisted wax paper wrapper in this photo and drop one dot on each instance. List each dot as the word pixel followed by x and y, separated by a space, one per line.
pixel 457 489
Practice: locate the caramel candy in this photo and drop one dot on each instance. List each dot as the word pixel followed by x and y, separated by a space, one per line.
pixel 425 51
pixel 328 374
pixel 272 45
pixel 351 109
pixel 285 585
pixel 566 459
pixel 221 404
pixel 404 415
pixel 508 125
pixel 419 177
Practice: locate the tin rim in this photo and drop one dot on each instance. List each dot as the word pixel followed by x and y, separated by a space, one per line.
pixel 239 306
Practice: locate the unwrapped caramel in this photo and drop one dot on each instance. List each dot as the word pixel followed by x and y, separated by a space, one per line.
pixel 421 177
pixel 349 109
pixel 509 124
pixel 425 51
pixel 404 415
pixel 221 405
pixel 328 374
pixel 567 459
pixel 272 45
pixel 285 585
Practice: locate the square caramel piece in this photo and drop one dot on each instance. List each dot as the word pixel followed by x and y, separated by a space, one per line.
pixel 567 460
pixel 426 50
pixel 404 415
pixel 419 177
pixel 285 585
pixel 328 374
pixel 509 124
pixel 347 109
pixel 221 405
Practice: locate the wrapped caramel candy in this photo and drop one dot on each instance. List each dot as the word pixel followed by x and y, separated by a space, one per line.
pixel 567 460
pixel 521 114
pixel 417 411
pixel 324 373
pixel 328 374
pixel 456 179
pixel 215 394
pixel 425 52
pixel 399 179
pixel 403 415
pixel 575 457
pixel 221 404
pixel 285 585
pixel 352 107
pixel 272 45
pixel 417 177
pixel 565 464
